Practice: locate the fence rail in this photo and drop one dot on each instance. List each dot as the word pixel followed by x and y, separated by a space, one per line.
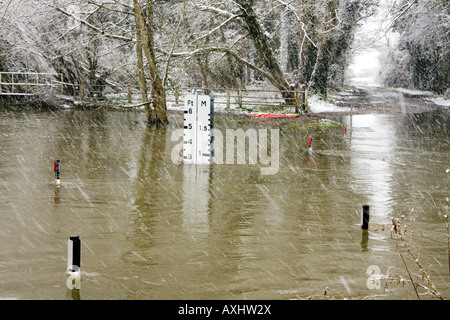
pixel 224 98
pixel 32 83
pixel 242 98
pixel 27 83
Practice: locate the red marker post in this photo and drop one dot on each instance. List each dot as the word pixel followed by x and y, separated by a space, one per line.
pixel 310 144
pixel 57 170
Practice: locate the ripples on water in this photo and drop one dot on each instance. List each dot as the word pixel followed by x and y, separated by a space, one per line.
pixel 153 229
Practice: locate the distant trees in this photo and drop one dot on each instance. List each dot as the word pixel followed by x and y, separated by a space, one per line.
pixel 120 25
pixel 76 51
pixel 16 40
pixel 421 47
pixel 153 44
pixel 293 44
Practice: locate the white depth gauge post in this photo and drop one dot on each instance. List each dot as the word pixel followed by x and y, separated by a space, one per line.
pixel 198 128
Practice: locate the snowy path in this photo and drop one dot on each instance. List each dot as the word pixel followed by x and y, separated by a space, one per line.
pixel 372 99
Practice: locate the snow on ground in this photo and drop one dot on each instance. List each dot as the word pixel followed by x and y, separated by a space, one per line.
pixel 414 92
pixel 376 94
pixel 440 101
pixel 317 105
pixel 364 81
pixel 426 95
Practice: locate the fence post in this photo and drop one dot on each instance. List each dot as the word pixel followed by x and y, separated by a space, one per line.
pixel 306 98
pixel 129 94
pixel 81 92
pixel 37 82
pixel 12 82
pixel 177 95
pixel 228 98
pixel 240 98
pixel 297 100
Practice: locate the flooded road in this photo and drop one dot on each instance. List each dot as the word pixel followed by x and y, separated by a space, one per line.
pixel 154 229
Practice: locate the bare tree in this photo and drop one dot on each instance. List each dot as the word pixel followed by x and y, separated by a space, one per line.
pixel 240 14
pixel 153 43
pixel 145 47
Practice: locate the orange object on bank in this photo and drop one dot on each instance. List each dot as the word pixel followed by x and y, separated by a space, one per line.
pixel 271 115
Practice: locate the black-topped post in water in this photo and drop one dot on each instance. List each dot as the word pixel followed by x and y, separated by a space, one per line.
pixel 76 252
pixel 365 217
pixel 74 263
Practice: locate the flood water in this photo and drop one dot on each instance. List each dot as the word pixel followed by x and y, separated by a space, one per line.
pixel 154 229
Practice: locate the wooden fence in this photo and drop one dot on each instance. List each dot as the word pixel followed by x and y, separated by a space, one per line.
pixel 32 83
pixel 242 98
pixel 28 83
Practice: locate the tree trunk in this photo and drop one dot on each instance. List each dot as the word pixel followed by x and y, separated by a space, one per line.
pixel 204 71
pixel 158 91
pixel 141 74
pixel 284 41
pixel 159 101
pixel 304 43
pixel 261 42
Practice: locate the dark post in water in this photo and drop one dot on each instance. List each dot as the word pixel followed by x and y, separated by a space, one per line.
pixel 76 252
pixel 74 263
pixel 365 217
pixel 57 169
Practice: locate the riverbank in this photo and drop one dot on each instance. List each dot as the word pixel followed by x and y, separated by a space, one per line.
pixel 35 102
pixel 323 113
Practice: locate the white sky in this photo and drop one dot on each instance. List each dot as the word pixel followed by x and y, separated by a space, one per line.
pixel 365 64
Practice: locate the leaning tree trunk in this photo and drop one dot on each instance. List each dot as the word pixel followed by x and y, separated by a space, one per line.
pixel 261 42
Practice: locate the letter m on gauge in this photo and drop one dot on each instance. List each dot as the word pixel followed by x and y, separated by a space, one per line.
pixel 198 123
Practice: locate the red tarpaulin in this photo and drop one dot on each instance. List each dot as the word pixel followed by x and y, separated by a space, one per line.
pixel 271 115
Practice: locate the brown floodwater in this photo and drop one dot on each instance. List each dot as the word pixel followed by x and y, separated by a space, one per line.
pixel 154 229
